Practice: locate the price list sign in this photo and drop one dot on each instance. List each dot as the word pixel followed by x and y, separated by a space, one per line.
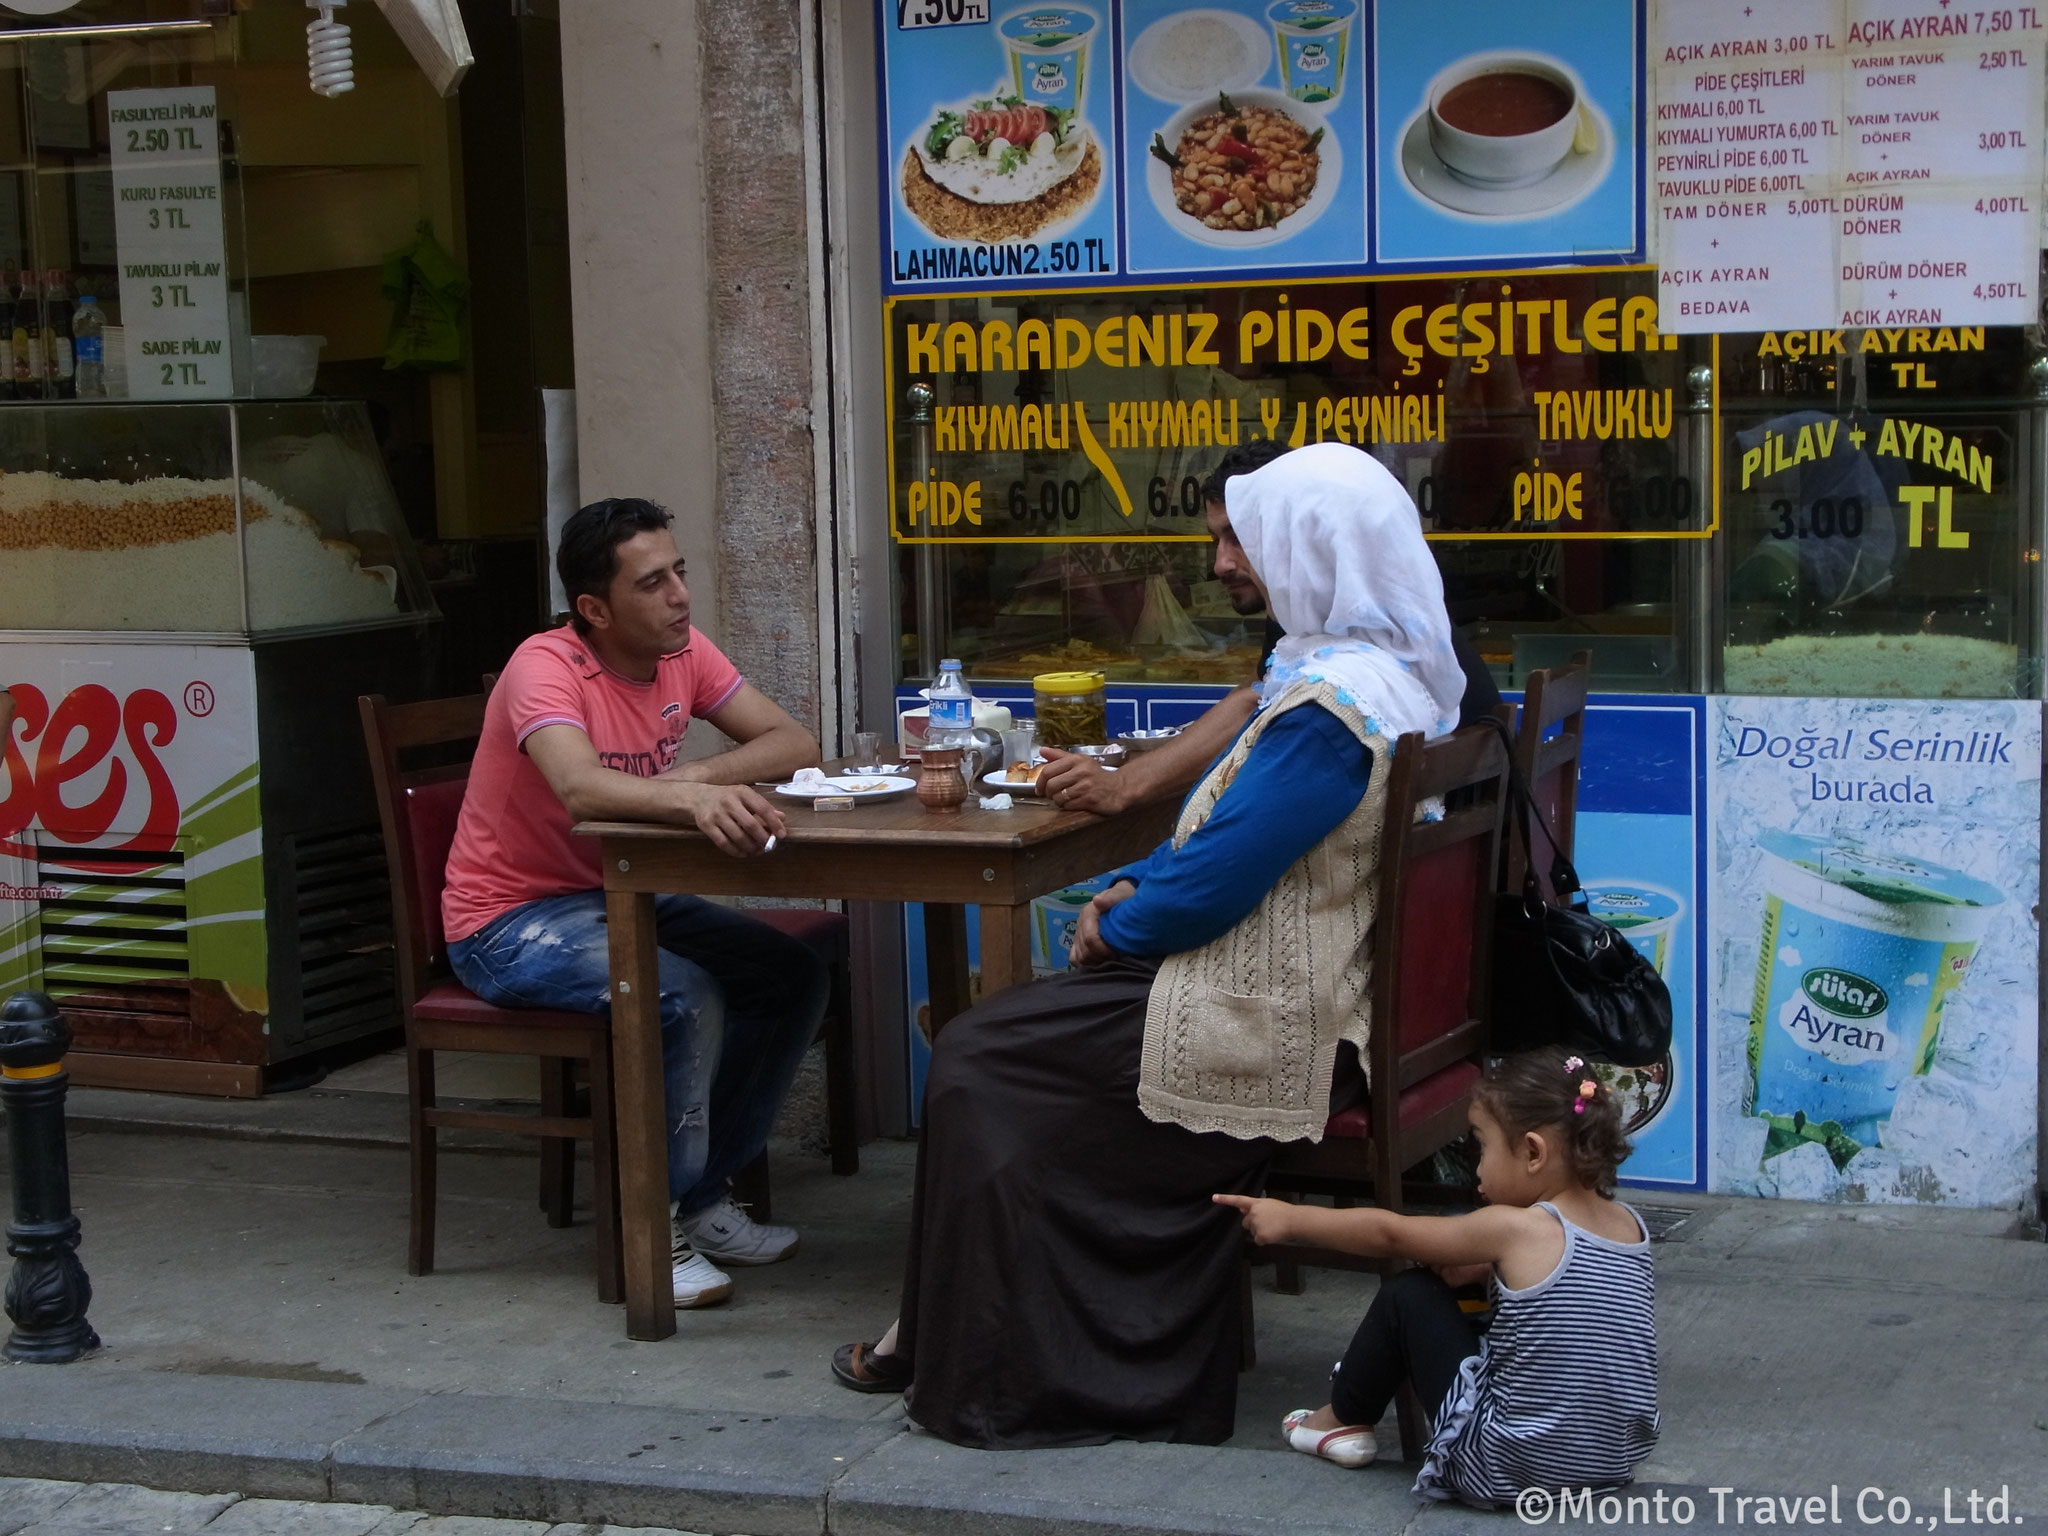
pixel 1847 163
pixel 167 226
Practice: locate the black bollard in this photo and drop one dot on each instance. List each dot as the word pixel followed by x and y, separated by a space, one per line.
pixel 48 1292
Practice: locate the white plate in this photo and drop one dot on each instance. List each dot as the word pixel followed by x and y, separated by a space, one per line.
pixel 996 784
pixel 1431 180
pixel 1159 179
pixel 835 787
pixel 1258 52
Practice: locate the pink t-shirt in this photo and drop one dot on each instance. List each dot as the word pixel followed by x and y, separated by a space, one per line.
pixel 514 844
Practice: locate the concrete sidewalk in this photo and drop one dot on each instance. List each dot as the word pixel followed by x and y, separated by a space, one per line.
pixel 41 1507
pixel 264 1339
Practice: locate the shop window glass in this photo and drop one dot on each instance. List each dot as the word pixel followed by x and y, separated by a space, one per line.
pixel 1879 509
pixel 57 206
pixel 1508 407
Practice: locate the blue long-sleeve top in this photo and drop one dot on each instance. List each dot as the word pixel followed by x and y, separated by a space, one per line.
pixel 1305 775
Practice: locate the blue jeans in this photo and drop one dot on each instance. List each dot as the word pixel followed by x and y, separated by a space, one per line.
pixel 740 1004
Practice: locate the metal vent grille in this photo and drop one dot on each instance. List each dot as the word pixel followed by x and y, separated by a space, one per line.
pixel 119 924
pixel 346 965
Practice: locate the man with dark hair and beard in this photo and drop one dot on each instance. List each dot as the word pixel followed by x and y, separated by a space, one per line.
pixel 1079 783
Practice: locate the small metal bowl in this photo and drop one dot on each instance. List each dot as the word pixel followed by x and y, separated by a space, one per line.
pixel 1108 756
pixel 1145 741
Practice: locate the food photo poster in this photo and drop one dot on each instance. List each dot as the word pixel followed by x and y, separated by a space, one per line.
pixel 1636 849
pixel 1874 948
pixel 1507 131
pixel 1072 144
pixel 999 166
pixel 1244 135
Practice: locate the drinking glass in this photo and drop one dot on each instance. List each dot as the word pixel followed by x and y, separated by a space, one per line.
pixel 867 751
pixel 1020 743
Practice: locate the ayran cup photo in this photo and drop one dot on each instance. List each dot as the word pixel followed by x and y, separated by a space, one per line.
pixel 1503 119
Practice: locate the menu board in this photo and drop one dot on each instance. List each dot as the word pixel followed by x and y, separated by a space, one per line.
pixel 1848 163
pixel 173 254
pixel 1066 143
pixel 1528 405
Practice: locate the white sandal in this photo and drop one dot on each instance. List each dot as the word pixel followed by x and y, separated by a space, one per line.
pixel 1349 1445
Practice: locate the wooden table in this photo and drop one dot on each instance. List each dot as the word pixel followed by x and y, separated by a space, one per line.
pixel 889 851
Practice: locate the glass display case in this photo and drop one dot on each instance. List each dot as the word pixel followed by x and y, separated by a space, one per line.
pixel 254 519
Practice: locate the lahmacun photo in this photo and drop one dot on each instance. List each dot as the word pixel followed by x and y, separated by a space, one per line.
pixel 999 169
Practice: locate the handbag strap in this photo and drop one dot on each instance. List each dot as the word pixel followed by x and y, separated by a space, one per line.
pixel 1564 879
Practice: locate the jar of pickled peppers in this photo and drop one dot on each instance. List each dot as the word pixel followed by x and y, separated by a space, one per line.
pixel 1072 707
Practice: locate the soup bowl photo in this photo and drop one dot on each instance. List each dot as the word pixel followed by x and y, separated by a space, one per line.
pixel 1503 119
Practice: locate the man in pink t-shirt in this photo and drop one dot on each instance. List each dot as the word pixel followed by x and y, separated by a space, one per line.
pixel 587 723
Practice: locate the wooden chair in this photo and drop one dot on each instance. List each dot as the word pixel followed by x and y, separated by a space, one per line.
pixel 825 934
pixel 418 809
pixel 1432 953
pixel 1549 746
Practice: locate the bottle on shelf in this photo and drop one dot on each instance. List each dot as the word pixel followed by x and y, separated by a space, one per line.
pixel 57 351
pixel 88 333
pixel 28 338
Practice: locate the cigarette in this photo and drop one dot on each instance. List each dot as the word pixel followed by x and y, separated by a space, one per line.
pixel 769 846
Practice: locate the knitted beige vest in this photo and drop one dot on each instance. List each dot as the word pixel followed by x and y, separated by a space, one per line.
pixel 1241 1035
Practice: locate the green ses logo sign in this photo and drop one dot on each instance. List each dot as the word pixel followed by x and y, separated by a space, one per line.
pixel 1844 993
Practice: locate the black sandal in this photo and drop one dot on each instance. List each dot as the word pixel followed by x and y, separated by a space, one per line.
pixel 858 1367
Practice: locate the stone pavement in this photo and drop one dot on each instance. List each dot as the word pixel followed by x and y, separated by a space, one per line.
pixel 37 1507
pixel 263 1340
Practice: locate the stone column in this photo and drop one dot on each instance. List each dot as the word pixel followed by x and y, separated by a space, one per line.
pixel 759 236
pixel 689 207
pixel 632 89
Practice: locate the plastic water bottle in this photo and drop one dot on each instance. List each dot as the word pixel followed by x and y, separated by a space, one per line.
pixel 951 708
pixel 88 327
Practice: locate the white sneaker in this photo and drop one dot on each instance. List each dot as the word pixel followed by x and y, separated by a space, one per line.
pixel 698 1282
pixel 723 1231
pixel 1350 1445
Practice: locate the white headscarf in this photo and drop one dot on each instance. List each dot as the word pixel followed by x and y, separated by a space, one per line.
pixel 1339 547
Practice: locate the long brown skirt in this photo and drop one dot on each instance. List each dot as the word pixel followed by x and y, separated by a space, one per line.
pixel 1069 1280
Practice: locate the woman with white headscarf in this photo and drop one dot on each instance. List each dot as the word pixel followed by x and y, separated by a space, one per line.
pixel 1069 1281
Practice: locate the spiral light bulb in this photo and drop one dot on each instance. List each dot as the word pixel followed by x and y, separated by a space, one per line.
pixel 330 61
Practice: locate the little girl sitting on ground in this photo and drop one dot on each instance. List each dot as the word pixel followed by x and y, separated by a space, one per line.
pixel 1562 1390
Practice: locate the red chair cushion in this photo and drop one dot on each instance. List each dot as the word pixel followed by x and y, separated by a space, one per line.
pixel 1436 942
pixel 1437 1091
pixel 449 1002
pixel 431 812
pixel 822 932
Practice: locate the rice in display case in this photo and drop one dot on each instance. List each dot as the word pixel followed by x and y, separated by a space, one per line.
pixel 158 519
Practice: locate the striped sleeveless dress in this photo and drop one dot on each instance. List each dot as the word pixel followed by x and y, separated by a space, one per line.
pixel 1563 1392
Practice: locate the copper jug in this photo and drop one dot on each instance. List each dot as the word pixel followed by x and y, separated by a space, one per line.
pixel 941 785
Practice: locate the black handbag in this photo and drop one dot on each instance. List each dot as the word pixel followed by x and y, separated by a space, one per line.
pixel 1562 977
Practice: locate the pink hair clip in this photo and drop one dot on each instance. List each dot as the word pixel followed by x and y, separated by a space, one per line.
pixel 1587 1089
